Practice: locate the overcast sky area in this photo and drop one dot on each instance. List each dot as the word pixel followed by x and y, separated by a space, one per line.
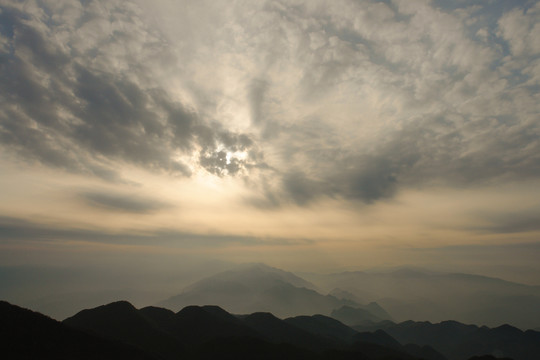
pixel 309 135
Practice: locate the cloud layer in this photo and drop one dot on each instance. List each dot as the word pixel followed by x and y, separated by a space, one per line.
pixel 390 96
pixel 352 100
pixel 78 93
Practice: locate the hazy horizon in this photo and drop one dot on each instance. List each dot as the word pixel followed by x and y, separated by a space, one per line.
pixel 151 143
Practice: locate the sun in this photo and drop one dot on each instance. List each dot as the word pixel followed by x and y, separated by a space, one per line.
pixel 238 155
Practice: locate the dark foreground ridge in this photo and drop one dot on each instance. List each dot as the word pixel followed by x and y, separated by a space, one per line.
pixel 120 331
pixel 25 334
pixel 459 341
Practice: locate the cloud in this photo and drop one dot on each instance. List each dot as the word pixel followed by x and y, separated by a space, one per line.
pixel 78 94
pixel 256 93
pixel 397 96
pixel 300 189
pixel 349 100
pixel 527 224
pixel 519 28
pixel 19 231
pixel 124 203
pixel 517 221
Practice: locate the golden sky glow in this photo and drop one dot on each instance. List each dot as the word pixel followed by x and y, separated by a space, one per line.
pixel 310 135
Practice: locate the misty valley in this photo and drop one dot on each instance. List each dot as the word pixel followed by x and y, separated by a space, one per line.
pixel 257 311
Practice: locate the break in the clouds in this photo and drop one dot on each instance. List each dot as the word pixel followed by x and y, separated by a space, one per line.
pixel 78 94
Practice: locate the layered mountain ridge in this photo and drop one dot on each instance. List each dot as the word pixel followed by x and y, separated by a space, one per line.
pixel 257 308
pixel 120 331
pixel 424 295
pixel 261 288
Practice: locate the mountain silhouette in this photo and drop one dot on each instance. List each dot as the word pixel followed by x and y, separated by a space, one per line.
pixel 257 288
pixel 355 315
pixel 458 341
pixel 159 317
pixel 120 331
pixel 378 337
pixel 323 326
pixel 332 328
pixel 435 296
pixel 122 321
pixel 372 350
pixel 26 334
pixel 197 329
pixel 198 324
pixel 425 352
pixel 278 331
pixel 201 332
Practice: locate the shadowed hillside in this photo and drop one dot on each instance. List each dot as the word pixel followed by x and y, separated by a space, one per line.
pixel 26 334
pixel 459 341
pixel 120 331
pixel 202 332
pixel 122 321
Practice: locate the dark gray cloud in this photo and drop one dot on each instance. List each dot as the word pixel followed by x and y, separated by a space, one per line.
pixel 123 203
pixel 299 188
pixel 366 178
pixel 521 221
pixel 16 231
pixel 509 226
pixel 427 152
pixel 256 93
pixel 76 110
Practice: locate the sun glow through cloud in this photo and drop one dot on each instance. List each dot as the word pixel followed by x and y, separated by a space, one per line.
pixel 312 134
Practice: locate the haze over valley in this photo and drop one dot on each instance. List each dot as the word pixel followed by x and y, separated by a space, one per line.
pixel 329 327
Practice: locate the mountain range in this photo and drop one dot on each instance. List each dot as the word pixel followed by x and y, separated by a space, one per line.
pixel 358 297
pixel 403 294
pixel 194 327
pixel 261 288
pixel 415 294
pixel 119 330
pixel 257 308
pixel 458 341
pixel 26 334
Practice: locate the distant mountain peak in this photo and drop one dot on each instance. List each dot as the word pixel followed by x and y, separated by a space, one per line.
pixel 262 315
pixel 250 275
pixel 115 308
pixel 359 315
pixel 119 305
pixel 344 295
pixel 191 309
pixel 30 335
pixel 256 287
pixel 259 265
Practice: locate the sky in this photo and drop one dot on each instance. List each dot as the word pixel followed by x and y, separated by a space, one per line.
pixel 309 135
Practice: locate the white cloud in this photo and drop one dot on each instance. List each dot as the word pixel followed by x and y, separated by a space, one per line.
pixel 521 28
